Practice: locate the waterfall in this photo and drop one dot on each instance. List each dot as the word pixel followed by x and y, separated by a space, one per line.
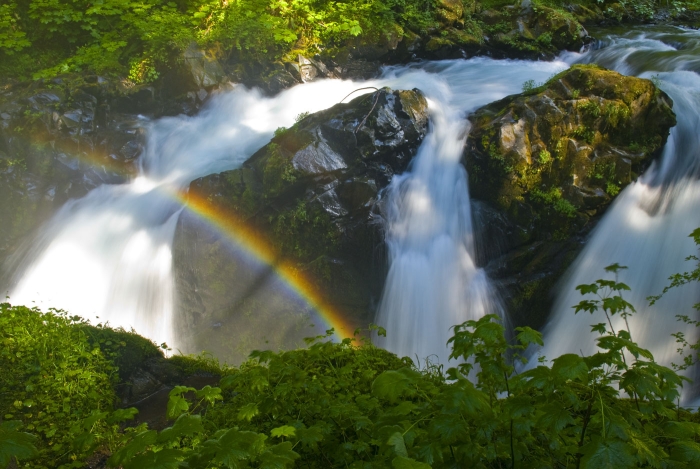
pixel 647 227
pixel 433 281
pixel 107 257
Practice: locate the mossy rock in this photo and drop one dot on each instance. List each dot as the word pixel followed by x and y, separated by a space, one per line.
pixel 552 159
pixel 530 31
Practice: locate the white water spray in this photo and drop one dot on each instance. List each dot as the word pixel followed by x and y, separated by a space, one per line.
pixel 433 281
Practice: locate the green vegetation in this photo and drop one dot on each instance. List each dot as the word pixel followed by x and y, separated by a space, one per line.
pixel 554 199
pixel 141 39
pixel 351 404
pixel 44 38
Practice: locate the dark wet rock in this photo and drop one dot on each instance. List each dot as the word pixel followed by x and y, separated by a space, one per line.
pixel 205 69
pixel 58 141
pixel 313 192
pixel 545 164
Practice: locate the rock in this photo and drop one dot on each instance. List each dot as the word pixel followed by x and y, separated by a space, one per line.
pixel 205 69
pixel 58 141
pixel 312 191
pixel 550 161
pixel 450 12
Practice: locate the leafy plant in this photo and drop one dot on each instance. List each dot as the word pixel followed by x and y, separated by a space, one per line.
pixel 350 404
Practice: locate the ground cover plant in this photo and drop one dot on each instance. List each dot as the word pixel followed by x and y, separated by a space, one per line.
pixel 351 404
pixel 138 39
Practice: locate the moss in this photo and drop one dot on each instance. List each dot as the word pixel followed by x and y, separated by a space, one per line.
pixel 553 198
pixel 278 171
pixel 198 364
pixel 126 349
pixel 304 232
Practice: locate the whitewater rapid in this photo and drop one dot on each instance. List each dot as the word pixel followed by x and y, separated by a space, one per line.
pixel 647 227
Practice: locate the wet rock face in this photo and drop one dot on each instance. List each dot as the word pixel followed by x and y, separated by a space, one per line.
pixel 58 142
pixel 313 191
pixel 545 164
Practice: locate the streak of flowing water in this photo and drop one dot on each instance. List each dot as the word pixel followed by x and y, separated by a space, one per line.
pixel 108 255
pixel 433 281
pixel 647 227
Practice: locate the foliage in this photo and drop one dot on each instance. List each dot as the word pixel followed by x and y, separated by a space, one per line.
pixel 347 405
pixel 351 404
pixel 52 378
pixel 139 38
pixel 553 198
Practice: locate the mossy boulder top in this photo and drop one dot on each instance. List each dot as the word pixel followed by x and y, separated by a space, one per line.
pixel 570 144
pixel 543 165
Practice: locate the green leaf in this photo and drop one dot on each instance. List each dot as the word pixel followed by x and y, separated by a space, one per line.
pixel 397 442
pixel 177 404
pixel 137 444
pixel 163 459
pixel 686 451
pixel 279 456
pixel 585 289
pixel 185 425
pixel 555 417
pixel 646 449
pixel 590 306
pixel 615 267
pixel 122 415
pixel 607 454
pixel 236 446
pixel 209 394
pixel 681 429
pixel 400 462
pixel 391 385
pixel 570 366
pixel 527 336
pixel 285 430
pixel 15 444
pixel 248 411
pixel 519 406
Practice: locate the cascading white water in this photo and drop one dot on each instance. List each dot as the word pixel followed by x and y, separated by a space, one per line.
pixel 108 255
pixel 433 282
pixel 647 227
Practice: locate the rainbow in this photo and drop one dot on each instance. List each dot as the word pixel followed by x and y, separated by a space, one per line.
pixel 238 232
pixel 235 231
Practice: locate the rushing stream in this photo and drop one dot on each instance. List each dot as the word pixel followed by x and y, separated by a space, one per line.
pixel 647 227
pixel 109 254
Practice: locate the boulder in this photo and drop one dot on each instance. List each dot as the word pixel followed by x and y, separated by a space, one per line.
pixel 313 192
pixel 543 166
pixel 204 68
pixel 531 32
